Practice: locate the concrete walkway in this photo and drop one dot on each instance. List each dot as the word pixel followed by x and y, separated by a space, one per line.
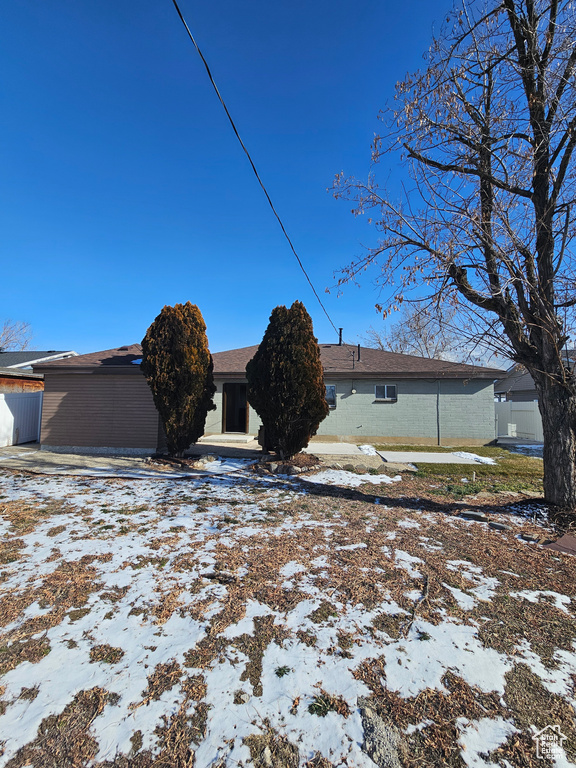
pixel 29 458
pixel 391 457
pixel 333 449
pixel 231 458
pixel 422 457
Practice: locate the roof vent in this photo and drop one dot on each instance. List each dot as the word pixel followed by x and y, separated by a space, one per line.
pixel 122 349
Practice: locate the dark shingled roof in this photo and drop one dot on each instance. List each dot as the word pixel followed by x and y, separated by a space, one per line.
pixel 8 359
pixel 338 361
pixel 342 361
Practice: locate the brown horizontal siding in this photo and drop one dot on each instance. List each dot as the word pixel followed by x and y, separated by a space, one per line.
pixel 98 411
pixel 523 396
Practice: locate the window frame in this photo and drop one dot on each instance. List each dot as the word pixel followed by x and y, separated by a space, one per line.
pixel 331 402
pixel 388 397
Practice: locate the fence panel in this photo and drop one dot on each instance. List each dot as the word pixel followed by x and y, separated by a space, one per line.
pixel 20 414
pixel 521 420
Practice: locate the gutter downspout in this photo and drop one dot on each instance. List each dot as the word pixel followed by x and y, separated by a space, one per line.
pixel 438 431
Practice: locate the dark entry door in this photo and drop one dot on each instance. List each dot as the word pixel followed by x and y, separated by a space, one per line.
pixel 235 408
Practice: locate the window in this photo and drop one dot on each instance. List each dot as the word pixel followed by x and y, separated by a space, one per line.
pixel 385 392
pixel 331 395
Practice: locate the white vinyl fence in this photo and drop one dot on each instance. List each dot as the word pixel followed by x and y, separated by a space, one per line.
pixel 521 420
pixel 20 414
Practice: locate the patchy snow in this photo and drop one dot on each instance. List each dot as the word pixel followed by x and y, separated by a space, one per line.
pixel 350 479
pixel 227 465
pixel 368 450
pixel 415 728
pixel 174 565
pixel 464 600
pixel 474 457
pixel 411 669
pixel 559 601
pixel 246 625
pixel 429 545
pixel 481 737
pixel 291 569
pixel 484 586
pixel 408 523
pixel 560 678
pixel 406 561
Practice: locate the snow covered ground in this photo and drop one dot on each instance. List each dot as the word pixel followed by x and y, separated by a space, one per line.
pixel 236 613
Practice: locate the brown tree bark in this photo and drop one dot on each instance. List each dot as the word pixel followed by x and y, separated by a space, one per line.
pixel 558 410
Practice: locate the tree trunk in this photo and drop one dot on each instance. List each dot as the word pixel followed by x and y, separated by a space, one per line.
pixel 558 410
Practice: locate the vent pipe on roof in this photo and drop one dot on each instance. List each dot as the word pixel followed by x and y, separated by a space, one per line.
pixel 340 337
pixel 358 352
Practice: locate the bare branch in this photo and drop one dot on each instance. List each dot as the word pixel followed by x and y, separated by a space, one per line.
pixel 15 335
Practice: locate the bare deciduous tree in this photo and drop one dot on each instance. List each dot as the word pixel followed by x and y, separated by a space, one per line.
pixel 424 331
pixel 15 335
pixel 487 133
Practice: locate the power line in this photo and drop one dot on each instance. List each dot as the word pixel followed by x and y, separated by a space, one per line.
pixel 271 204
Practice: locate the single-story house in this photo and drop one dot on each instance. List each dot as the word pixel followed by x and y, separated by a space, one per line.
pixel 518 385
pixel 101 400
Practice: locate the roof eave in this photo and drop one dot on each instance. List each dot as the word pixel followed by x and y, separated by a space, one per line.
pixel 88 368
pixel 487 375
pixel 68 354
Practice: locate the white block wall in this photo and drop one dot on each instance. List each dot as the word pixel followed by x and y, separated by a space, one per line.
pixel 466 411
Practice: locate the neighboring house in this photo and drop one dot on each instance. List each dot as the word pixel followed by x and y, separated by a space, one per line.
pixel 20 406
pixel 15 380
pixel 518 386
pixel 102 400
pixel 21 394
pixel 517 412
pixel 26 359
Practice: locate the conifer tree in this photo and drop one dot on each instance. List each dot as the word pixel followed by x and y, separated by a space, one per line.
pixel 286 382
pixel 179 369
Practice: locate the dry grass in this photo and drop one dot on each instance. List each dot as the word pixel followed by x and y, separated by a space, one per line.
pixel 105 653
pixel 63 740
pixel 316 531
pixel 272 749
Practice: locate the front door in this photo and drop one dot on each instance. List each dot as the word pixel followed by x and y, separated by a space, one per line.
pixel 235 408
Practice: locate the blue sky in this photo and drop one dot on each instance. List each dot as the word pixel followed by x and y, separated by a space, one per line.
pixel 124 189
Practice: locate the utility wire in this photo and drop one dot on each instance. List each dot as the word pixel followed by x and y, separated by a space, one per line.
pixel 271 204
